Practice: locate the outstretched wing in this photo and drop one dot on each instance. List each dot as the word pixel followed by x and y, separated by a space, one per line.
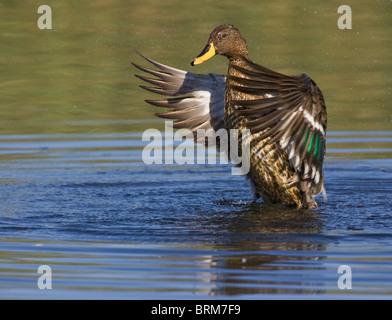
pixel 292 113
pixel 197 100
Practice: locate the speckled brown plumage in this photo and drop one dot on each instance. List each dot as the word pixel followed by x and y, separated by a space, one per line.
pixel 270 172
pixel 286 116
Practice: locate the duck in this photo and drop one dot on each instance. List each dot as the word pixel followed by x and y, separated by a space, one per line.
pixel 285 116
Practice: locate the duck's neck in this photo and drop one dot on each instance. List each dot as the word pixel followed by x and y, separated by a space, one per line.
pixel 239 58
pixel 240 61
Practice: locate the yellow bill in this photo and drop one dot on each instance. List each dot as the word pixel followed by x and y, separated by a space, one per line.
pixel 207 53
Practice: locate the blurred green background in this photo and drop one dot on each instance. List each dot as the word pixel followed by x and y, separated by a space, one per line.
pixel 78 77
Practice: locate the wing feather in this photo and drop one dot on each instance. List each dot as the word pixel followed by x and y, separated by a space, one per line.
pixel 197 101
pixel 291 112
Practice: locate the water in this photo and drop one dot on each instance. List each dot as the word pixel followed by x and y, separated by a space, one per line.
pixel 76 196
pixel 110 226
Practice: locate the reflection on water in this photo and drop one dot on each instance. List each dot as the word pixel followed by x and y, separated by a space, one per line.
pixel 128 230
pixel 144 271
pixel 75 195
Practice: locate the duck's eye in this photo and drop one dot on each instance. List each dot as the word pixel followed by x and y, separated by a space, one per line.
pixel 224 35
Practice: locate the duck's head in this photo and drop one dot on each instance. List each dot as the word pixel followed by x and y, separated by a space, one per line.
pixel 225 40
